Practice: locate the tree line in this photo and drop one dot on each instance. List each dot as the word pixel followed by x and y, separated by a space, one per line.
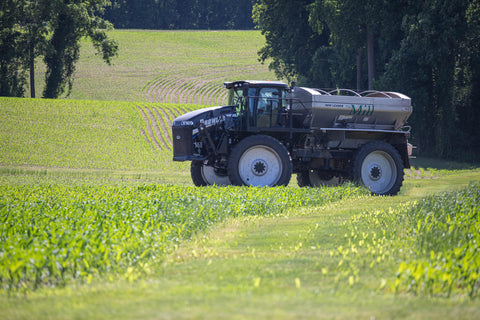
pixel 429 50
pixel 51 29
pixel 185 14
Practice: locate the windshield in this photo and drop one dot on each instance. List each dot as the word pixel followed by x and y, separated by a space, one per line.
pixel 235 96
pixel 262 107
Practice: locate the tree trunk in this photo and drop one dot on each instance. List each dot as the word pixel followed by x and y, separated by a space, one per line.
pixel 32 69
pixel 371 57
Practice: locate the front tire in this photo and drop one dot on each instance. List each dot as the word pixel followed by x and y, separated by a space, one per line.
pixel 260 160
pixel 379 167
pixel 203 175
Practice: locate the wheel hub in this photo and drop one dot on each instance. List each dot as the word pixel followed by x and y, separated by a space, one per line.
pixel 259 167
pixel 375 172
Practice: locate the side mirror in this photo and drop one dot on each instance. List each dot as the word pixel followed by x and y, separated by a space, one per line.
pixel 292 87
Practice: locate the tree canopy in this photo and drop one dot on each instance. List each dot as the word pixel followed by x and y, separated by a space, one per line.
pixel 185 14
pixel 429 50
pixel 52 29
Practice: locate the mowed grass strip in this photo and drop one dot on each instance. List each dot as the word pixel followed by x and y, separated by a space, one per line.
pixel 336 261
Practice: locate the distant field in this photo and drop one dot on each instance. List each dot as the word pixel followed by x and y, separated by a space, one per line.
pixel 167 66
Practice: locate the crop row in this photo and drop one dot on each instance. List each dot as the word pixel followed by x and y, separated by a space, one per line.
pixel 194 90
pixel 433 245
pixel 78 134
pixel 52 234
pixel 444 230
pixel 158 120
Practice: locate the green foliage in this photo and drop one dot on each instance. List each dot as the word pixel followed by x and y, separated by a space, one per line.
pixel 446 253
pixel 51 29
pixel 53 234
pixel 433 244
pixel 12 74
pixel 434 78
pixel 186 14
pixel 290 41
pixel 69 24
pixel 324 43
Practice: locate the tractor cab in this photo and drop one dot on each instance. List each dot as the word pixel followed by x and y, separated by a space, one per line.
pixel 259 105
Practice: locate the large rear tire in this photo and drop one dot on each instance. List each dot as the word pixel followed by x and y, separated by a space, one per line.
pixel 260 160
pixel 203 175
pixel 379 167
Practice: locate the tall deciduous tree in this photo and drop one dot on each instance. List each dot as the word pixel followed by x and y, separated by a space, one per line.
pixel 431 65
pixel 52 29
pixel 12 73
pixel 347 32
pixel 290 41
pixel 70 21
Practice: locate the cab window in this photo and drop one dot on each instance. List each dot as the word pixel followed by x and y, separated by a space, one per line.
pixel 269 107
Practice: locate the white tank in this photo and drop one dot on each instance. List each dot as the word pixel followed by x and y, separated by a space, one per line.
pixel 347 109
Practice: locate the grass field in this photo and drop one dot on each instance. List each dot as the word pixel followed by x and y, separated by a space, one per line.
pixel 76 137
pixel 97 222
pixel 187 67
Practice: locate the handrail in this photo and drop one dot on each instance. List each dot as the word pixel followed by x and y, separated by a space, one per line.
pixel 347 90
pixel 368 92
pixel 322 91
pixel 355 93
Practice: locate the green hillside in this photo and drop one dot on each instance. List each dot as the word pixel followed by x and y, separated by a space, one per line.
pixel 167 66
pixel 90 136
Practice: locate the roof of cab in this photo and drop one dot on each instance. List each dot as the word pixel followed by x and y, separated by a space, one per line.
pixel 255 83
